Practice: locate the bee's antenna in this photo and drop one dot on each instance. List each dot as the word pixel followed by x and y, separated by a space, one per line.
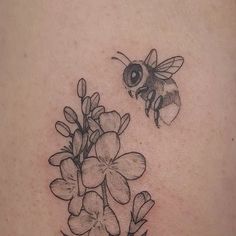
pixel 116 58
pixel 124 55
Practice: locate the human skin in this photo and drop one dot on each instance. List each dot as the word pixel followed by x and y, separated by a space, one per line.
pixel 46 46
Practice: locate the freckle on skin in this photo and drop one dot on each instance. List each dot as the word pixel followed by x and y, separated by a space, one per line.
pixel 25 55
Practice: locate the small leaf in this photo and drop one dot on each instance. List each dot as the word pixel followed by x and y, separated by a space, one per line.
pixel 95 98
pixel 57 158
pixel 94 136
pixel 86 105
pixel 133 228
pixel 70 115
pixel 145 233
pixel 81 88
pixel 97 112
pixel 63 129
pixel 124 123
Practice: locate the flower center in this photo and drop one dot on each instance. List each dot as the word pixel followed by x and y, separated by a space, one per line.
pixel 109 165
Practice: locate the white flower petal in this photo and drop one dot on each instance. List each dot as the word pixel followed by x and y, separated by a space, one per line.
pixel 92 172
pixel 58 157
pixel 98 230
pixel 93 203
pixel 118 187
pixel 63 189
pixel 75 205
pixel 82 223
pixel 69 170
pixel 107 146
pixel 131 165
pixel 110 221
pixel 110 121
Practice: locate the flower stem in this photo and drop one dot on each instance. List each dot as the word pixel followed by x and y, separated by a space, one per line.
pixel 104 193
pixel 87 150
pixel 79 126
pixel 131 219
pixel 84 117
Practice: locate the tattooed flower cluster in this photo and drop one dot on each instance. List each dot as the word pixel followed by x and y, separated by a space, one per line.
pixel 94 172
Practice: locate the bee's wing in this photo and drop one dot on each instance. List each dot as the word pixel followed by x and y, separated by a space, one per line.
pixel 168 67
pixel 151 59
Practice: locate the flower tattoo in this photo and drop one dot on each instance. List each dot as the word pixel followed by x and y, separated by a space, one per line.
pixel 94 218
pixel 116 170
pixel 94 172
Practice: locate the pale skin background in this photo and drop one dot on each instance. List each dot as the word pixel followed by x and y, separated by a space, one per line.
pixel 46 46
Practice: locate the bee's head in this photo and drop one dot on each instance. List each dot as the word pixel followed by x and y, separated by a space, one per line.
pixel 134 74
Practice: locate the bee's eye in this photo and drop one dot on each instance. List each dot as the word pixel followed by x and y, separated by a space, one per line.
pixel 133 74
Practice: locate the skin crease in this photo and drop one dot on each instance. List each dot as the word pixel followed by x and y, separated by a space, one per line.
pixel 46 46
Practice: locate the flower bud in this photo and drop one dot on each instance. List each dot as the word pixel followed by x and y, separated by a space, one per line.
pixel 124 123
pixel 58 157
pixel 81 88
pixel 63 129
pixel 94 136
pixel 142 205
pixel 93 125
pixel 86 105
pixel 97 112
pixel 95 98
pixel 70 115
pixel 77 142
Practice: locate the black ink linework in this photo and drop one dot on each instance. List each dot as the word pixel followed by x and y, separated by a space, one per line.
pixel 142 204
pixel 154 83
pixel 90 181
pixel 63 233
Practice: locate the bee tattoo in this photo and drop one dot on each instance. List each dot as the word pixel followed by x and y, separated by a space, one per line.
pixel 154 83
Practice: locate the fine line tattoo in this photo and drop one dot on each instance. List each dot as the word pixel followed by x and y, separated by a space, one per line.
pixel 154 83
pixel 93 172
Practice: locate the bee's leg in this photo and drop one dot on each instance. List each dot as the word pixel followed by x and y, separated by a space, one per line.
pixel 150 99
pixel 140 90
pixel 130 94
pixel 157 107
